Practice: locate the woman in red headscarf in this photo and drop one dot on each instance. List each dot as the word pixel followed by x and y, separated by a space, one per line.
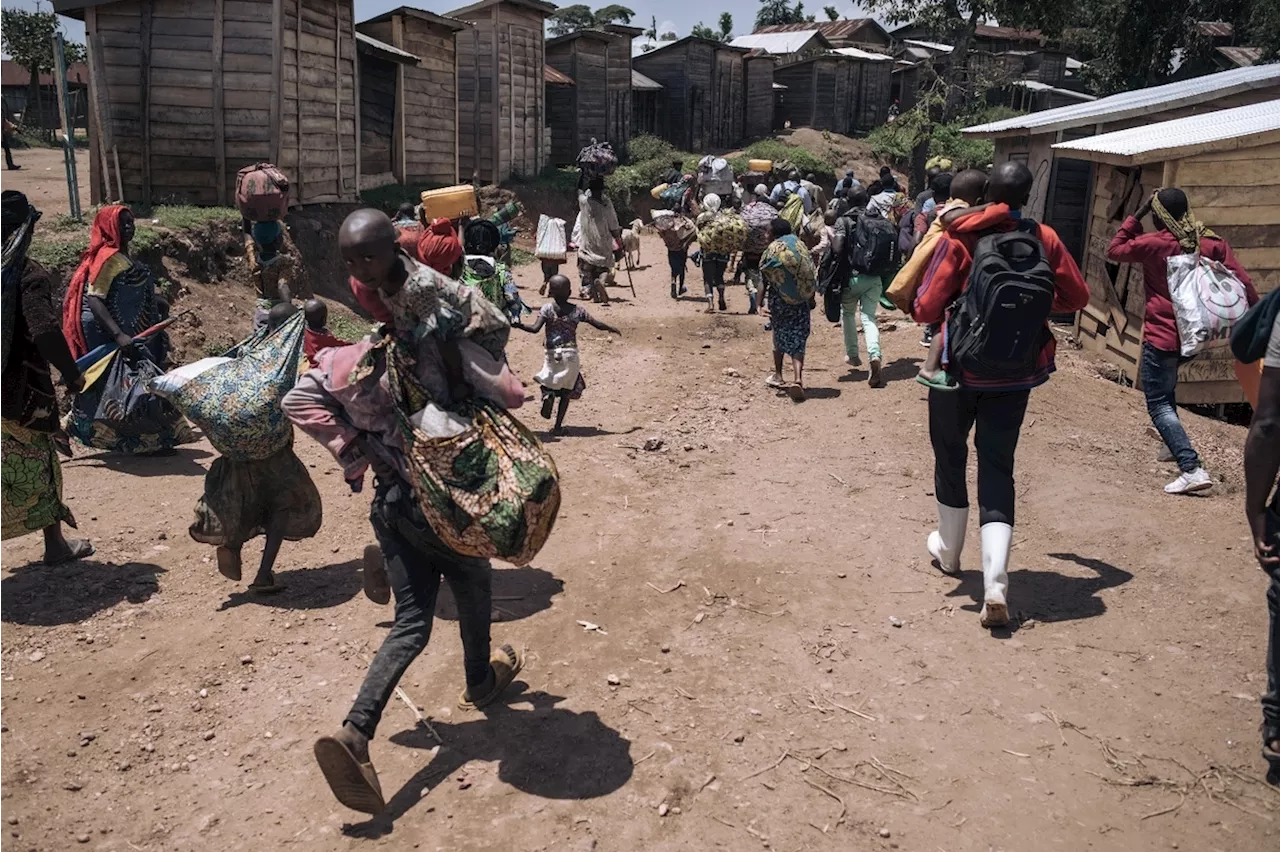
pixel 440 248
pixel 110 299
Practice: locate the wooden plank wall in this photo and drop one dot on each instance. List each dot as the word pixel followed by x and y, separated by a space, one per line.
pixel 377 114
pixel 727 108
pixel 668 67
pixel 798 105
pixel 1227 191
pixel 873 95
pixel 430 102
pixel 561 104
pixel 618 125
pixel 757 93
pixel 318 117
pixel 522 53
pixel 187 89
pixel 476 99
pixel 700 96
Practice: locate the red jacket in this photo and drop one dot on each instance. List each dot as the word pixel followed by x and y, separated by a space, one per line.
pixel 947 276
pixel 1131 245
pixel 314 341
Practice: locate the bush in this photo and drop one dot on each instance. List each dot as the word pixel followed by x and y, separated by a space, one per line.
pixel 646 147
pixel 781 152
pixel 896 140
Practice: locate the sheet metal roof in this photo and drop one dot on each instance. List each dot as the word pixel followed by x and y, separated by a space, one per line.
pixel 1138 102
pixel 788 42
pixel 928 45
pixel 643 83
pixel 1220 29
pixel 862 54
pixel 842 30
pixel 386 51
pixel 557 78
pixel 1037 86
pixel 421 14
pixel 1224 130
pixel 1241 57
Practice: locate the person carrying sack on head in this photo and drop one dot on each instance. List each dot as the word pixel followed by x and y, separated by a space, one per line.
pixel 1008 274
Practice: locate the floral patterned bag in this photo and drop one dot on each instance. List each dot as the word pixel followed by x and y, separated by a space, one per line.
pixel 237 404
pixel 492 491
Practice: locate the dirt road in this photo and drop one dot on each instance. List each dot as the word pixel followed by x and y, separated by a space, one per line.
pixel 43 178
pixel 768 662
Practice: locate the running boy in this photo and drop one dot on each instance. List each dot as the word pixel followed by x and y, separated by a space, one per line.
pixel 561 373
pixel 349 409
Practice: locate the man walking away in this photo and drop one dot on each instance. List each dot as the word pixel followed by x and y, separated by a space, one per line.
pixel 1177 231
pixel 1001 347
pixel 9 127
pixel 1262 481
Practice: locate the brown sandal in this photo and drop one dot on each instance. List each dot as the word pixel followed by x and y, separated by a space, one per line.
pixel 377 587
pixel 505 663
pixel 353 783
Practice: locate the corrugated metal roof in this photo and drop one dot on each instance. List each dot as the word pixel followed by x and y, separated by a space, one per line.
pixel 387 51
pixel 1215 29
pixel 1074 64
pixel 1010 33
pixel 928 45
pixel 557 78
pixel 1138 102
pixel 1241 57
pixel 862 54
pixel 421 14
pixel 778 87
pixel 643 83
pixel 779 43
pixel 841 30
pixel 1037 86
pixel 1228 129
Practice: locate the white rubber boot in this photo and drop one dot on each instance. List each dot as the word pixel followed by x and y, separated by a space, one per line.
pixel 996 541
pixel 946 542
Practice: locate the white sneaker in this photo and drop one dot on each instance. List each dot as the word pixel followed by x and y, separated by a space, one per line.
pixel 1190 483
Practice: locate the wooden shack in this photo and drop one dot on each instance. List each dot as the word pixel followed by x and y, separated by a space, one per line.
pixel 646 113
pixel 501 89
pixel 185 92
pixel 702 84
pixel 1060 195
pixel 424 128
pixel 381 131
pixel 757 94
pixel 1220 159
pixel 846 91
pixel 599 105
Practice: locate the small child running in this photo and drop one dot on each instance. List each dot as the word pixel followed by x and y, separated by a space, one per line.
pixel 317 335
pixel 966 191
pixel 561 373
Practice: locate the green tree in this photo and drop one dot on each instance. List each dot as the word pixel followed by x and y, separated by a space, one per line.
pixel 832 14
pixel 28 38
pixel 772 12
pixel 613 14
pixel 701 30
pixel 668 36
pixel 726 26
pixel 570 19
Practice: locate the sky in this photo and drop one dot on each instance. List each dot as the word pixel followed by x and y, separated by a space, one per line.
pixel 673 15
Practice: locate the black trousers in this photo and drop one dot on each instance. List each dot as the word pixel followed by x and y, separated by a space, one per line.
pixel 416 560
pixel 998 417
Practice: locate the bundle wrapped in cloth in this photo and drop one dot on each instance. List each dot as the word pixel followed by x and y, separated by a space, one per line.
pixel 598 159
pixel 724 234
pixel 487 488
pixel 237 402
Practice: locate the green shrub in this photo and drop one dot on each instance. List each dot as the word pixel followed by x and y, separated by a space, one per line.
pixel 646 147
pixel 781 152
pixel 895 141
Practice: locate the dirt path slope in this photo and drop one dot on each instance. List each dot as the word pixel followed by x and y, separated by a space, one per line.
pixel 746 678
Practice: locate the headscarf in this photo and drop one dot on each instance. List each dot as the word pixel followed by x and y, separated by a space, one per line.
pixel 1189 230
pixel 19 217
pixel 439 247
pixel 761 190
pixel 711 203
pixel 104 243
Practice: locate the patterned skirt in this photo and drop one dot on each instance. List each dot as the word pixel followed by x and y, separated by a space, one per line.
pixel 31 498
pixel 242 497
pixel 790 325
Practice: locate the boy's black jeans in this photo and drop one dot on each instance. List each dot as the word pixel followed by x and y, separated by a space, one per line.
pixel 416 560
pixel 998 416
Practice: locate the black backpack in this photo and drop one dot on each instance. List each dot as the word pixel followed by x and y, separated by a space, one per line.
pixel 999 325
pixel 874 247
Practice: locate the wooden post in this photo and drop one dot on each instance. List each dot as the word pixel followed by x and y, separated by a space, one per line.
pixel 355 97
pixel 497 96
pixel 68 129
pixel 337 91
pixel 297 93
pixel 457 131
pixel 219 126
pixel 475 111
pixel 399 155
pixel 1170 176
pixel 144 83
pixel 276 108
pixel 99 110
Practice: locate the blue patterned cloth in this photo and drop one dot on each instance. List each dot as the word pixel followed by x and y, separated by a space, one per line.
pixel 790 325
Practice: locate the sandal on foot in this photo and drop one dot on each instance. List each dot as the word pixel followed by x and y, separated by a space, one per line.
pixel 376 586
pixel 77 549
pixel 353 783
pixel 796 392
pixel 228 565
pixel 1270 734
pixel 940 382
pixel 505 663
pixel 272 588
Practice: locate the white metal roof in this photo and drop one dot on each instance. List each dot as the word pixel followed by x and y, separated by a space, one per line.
pixel 1037 86
pixel 778 87
pixel 928 45
pixel 643 83
pixel 862 54
pixel 1138 102
pixel 394 53
pixel 778 43
pixel 1224 130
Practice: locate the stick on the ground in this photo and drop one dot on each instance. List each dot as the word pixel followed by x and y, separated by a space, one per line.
pixel 417 714
pixel 679 584
pixel 1163 811
pixel 843 808
pixel 857 713
pixel 773 765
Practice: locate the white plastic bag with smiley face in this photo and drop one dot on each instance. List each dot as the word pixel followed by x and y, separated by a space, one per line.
pixel 1208 299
